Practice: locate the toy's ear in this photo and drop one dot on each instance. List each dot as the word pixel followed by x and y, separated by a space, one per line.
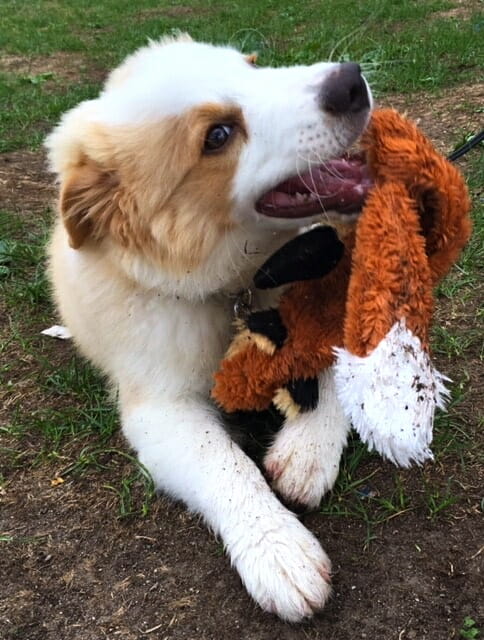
pixel 311 255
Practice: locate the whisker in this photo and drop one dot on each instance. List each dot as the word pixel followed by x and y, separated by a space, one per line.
pixel 313 189
pixel 324 214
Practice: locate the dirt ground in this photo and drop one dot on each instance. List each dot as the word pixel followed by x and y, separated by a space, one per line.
pixel 72 570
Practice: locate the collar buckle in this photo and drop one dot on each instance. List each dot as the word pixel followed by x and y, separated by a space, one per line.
pixel 243 304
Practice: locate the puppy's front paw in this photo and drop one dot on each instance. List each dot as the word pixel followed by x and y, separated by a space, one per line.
pixel 298 473
pixel 303 462
pixel 286 571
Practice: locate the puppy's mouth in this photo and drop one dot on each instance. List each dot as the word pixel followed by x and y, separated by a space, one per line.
pixel 339 185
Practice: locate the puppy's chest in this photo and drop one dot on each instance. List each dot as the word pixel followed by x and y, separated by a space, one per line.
pixel 191 336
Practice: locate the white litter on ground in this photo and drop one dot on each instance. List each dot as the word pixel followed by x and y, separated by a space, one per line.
pixel 57 331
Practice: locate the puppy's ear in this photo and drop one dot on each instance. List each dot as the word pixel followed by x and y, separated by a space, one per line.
pixel 88 202
pixel 252 59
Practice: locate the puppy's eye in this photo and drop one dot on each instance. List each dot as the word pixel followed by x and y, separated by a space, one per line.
pixel 217 136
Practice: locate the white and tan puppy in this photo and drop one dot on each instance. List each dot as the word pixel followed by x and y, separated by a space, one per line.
pixel 176 183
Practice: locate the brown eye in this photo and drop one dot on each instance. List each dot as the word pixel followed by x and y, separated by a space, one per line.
pixel 217 136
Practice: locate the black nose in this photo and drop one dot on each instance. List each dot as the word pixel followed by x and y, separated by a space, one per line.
pixel 345 91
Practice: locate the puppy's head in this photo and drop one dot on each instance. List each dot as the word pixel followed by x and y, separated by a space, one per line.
pixel 188 144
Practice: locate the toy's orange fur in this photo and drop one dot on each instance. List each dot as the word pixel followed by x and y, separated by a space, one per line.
pixel 412 229
pixel 389 251
pixel 250 378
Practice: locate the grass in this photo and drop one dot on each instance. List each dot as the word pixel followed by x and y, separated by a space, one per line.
pixel 70 419
pixel 23 278
pixel 469 629
pixel 29 109
pixel 386 36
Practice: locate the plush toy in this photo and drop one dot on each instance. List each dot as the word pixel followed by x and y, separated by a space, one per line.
pixel 366 304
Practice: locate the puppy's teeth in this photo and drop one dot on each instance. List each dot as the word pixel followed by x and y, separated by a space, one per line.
pixel 300 197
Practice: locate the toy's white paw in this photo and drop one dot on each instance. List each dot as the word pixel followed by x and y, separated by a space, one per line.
pixel 391 396
pixel 302 469
pixel 286 571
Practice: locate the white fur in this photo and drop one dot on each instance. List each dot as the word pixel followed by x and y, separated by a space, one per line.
pixel 160 335
pixel 303 461
pixel 391 395
pixel 190 455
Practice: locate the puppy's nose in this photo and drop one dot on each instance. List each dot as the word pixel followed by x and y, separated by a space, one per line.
pixel 345 91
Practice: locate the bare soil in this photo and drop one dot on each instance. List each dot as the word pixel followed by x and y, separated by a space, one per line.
pixel 76 572
pixel 72 570
pixel 178 11
pixel 61 65
pixel 26 187
pixel 461 10
pixel 456 112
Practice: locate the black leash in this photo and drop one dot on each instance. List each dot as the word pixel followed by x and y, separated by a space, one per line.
pixel 473 142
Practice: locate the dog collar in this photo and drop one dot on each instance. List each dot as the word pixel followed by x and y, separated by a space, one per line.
pixel 242 303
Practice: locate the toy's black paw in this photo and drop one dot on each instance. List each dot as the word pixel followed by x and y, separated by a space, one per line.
pixel 305 393
pixel 298 396
pixel 306 257
pixel 269 324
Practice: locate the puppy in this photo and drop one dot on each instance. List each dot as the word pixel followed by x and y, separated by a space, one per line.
pixel 187 171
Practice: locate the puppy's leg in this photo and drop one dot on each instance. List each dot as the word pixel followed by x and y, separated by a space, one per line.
pixel 303 461
pixel 192 458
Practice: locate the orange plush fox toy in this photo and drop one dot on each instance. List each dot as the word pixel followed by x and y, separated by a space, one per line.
pixel 369 318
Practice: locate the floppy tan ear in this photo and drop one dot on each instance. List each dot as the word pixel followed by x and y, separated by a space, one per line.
pixel 252 58
pixel 88 202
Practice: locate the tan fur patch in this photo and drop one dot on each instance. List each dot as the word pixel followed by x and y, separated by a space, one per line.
pixel 264 344
pixel 93 203
pixel 252 59
pixel 239 344
pixel 283 401
pixel 244 338
pixel 152 188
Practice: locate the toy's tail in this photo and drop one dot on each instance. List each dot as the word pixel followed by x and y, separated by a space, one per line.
pixel 398 152
pixel 411 231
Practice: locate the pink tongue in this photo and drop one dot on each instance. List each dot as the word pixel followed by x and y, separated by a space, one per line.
pixel 340 185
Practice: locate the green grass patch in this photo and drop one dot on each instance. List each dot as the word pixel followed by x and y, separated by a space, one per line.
pixel 23 281
pixel 29 107
pixel 71 420
pixel 403 46
pixel 469 629
pixel 469 273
